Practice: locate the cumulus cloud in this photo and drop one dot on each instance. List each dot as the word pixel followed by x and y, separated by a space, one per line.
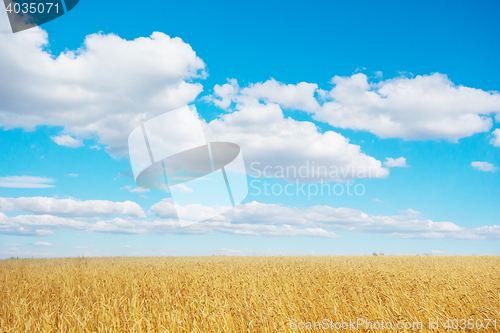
pixel 67 141
pixel 27 225
pixel 226 94
pixel 495 141
pixel 165 209
pixel 42 232
pixel 104 89
pixel 438 252
pixel 43 225
pixel 419 108
pixel 409 211
pixel 256 219
pixel 284 230
pixel 42 244
pixel 291 96
pixel 424 107
pixel 26 182
pixel 110 85
pixel 323 219
pixel 484 166
pixel 70 207
pixel 135 189
pixel 224 251
pixel 181 188
pixel 37 225
pixel 269 140
pixel 395 163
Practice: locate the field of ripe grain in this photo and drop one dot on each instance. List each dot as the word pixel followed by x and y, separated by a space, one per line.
pixel 245 294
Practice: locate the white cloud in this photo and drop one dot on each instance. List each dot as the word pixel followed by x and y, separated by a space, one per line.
pixel 127 246
pixel 165 209
pixel 42 233
pixel 29 225
pixel 226 94
pixel 42 244
pixel 337 219
pixel 26 254
pixel 106 88
pixel 257 219
pixel 290 96
pixel 496 140
pixel 67 141
pixel 395 163
pixel 25 182
pixel 268 139
pixel 95 147
pixel 118 225
pixel 318 220
pixel 438 252
pixel 409 212
pixel 284 230
pixel 70 207
pixel 424 107
pixel 134 189
pixel 484 166
pixel 181 188
pixel 73 175
pixel 224 251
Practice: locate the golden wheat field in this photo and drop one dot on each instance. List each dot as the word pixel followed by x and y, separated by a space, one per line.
pixel 250 294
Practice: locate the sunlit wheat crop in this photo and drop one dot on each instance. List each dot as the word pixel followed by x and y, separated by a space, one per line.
pixel 246 294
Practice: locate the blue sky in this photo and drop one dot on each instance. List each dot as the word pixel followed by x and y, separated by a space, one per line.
pixel 338 84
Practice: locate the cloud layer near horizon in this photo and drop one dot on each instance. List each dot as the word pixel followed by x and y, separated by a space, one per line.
pixel 70 207
pixel 410 224
pixel 252 219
